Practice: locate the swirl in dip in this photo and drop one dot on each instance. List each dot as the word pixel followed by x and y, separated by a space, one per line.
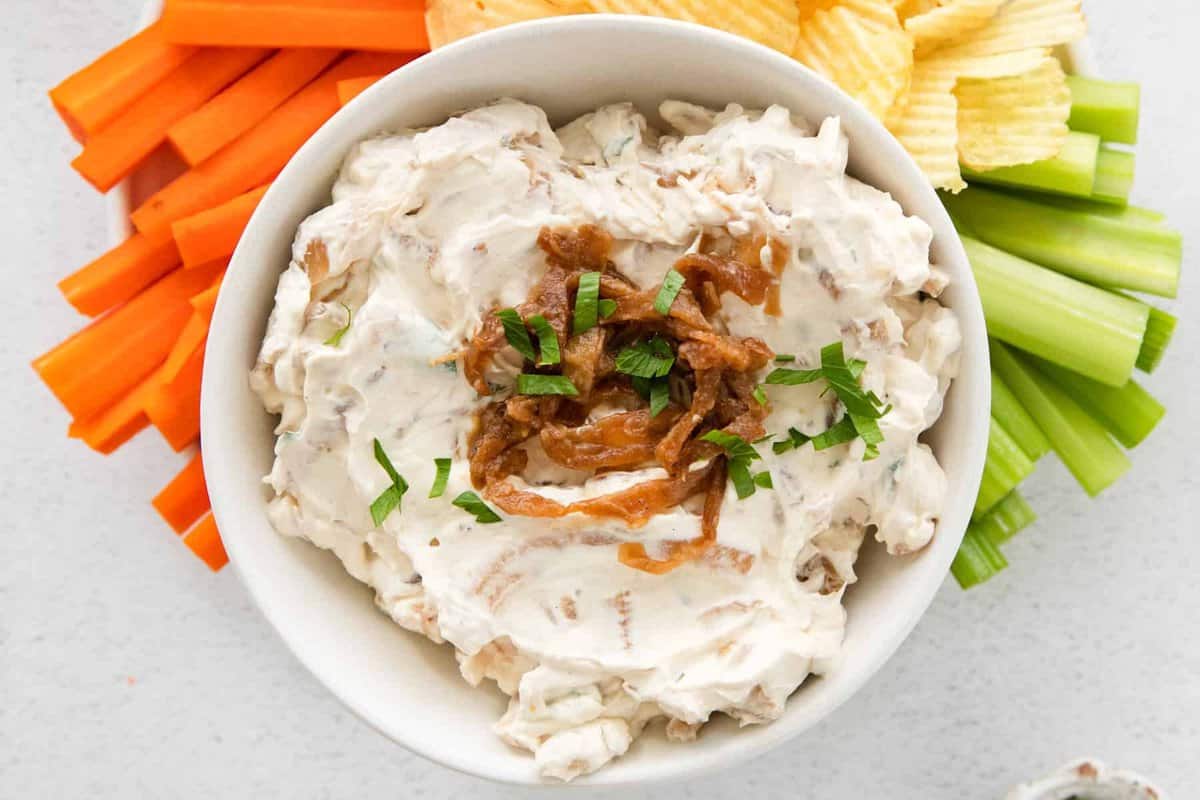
pixel 597 622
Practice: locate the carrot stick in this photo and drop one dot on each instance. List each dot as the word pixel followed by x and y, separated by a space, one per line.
pixel 190 338
pixel 256 156
pixel 117 424
pixel 283 24
pixel 98 365
pixel 214 233
pixel 174 408
pixel 95 94
pixel 246 103
pixel 204 303
pixel 352 87
pixel 120 273
pixel 116 149
pixel 185 499
pixel 205 541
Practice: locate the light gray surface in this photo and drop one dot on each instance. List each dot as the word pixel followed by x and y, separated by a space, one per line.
pixel 127 670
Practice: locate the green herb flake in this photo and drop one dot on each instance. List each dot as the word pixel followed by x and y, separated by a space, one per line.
pixel 737 448
pixel 336 338
pixel 515 332
pixel 587 301
pixel 472 504
pixel 660 396
pixel 672 283
pixel 546 384
pixel 763 480
pixel 647 359
pixel 794 440
pixel 606 308
pixel 390 500
pixel 784 358
pixel 442 465
pixel 843 431
pixel 759 395
pixel 547 341
pixel 784 376
pixel 740 477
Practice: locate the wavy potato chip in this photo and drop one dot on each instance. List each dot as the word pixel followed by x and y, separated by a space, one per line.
pixel 774 23
pixel 952 20
pixel 910 8
pixel 925 120
pixel 869 57
pixel 1021 24
pixel 448 20
pixel 1016 119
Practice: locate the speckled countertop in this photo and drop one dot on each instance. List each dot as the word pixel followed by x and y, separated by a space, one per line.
pixel 127 670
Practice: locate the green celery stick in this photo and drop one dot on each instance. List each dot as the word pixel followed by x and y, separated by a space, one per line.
pixel 1096 248
pixel 1063 320
pixel 1106 108
pixel 1159 330
pixel 977 559
pixel 1079 439
pixel 1006 519
pixel 1012 416
pixel 1114 176
pixel 1126 215
pixel 1006 466
pixel 1129 412
pixel 1072 172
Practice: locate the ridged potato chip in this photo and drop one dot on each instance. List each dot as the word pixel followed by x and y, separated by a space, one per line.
pixel 1013 120
pixel 949 21
pixel 448 20
pixel 1021 24
pixel 774 23
pixel 925 120
pixel 910 8
pixel 869 57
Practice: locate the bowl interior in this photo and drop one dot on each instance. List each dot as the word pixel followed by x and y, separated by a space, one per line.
pixel 404 686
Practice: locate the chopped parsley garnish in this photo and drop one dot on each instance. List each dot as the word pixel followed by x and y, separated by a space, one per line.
pixel 647 359
pixel 547 340
pixel 546 384
pixel 660 396
pixel 606 307
pixel 587 302
pixel 442 465
pixel 740 454
pixel 472 504
pixel 842 431
pixel 336 338
pixel 672 283
pixel 759 395
pixel 785 376
pixel 740 477
pixel 794 439
pixel 389 501
pixel 784 358
pixel 763 480
pixel 515 332
pixel 737 448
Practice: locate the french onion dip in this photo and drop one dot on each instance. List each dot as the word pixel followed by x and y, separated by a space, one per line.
pixel 610 410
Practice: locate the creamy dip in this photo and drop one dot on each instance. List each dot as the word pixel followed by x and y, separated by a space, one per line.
pixel 428 232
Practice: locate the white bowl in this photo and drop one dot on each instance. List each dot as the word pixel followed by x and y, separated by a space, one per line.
pixel 406 687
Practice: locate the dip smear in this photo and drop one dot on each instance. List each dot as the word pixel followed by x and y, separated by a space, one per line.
pixel 571 494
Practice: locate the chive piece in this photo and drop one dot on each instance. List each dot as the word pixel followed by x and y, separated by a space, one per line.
pixel 1114 176
pixel 546 384
pixel 472 504
pixel 672 283
pixel 737 448
pixel 336 338
pixel 442 465
pixel 784 359
pixel 606 307
pixel 515 332
pixel 1006 519
pixel 1012 416
pixel 977 559
pixel 1160 327
pixel 1109 109
pixel 763 480
pixel 660 396
pixel 1079 440
pixel 1085 328
pixel 759 395
pixel 794 440
pixel 648 359
pixel 587 299
pixel 547 341
pixel 740 477
pixel 783 376
pixel 1129 413
pixel 842 431
pixel 389 501
pixel 1006 466
pixel 1072 172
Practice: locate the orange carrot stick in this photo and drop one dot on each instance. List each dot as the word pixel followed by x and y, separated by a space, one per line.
pixel 185 499
pixel 352 87
pixel 204 303
pixel 214 233
pixel 246 103
pixel 114 426
pixel 98 92
pixel 120 273
pixel 255 157
pixel 283 24
pixel 190 338
pixel 205 541
pixel 120 146
pixel 174 408
pixel 98 365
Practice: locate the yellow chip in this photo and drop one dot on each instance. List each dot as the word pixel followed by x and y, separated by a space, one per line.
pixel 926 123
pixel 1021 24
pixel 878 12
pixel 774 23
pixel 448 20
pixel 1013 120
pixel 1001 65
pixel 950 21
pixel 910 8
pixel 870 60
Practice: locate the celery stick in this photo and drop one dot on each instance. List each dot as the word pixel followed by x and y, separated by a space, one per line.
pixel 1079 439
pixel 1114 176
pixel 1129 412
pixel 1106 108
pixel 977 559
pixel 1126 215
pixel 1060 319
pixel 1006 519
pixel 1005 467
pixel 1159 330
pixel 1072 172
pixel 1012 416
pixel 1092 247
